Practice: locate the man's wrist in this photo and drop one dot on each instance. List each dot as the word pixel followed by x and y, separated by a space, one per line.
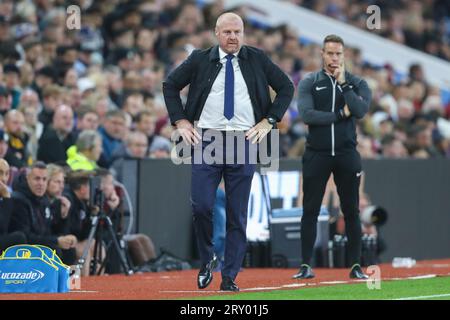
pixel 271 120
pixel 179 121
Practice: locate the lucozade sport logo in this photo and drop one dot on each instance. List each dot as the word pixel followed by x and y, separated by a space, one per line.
pixel 21 277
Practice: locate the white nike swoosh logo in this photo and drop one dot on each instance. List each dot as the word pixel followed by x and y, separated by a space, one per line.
pixel 320 88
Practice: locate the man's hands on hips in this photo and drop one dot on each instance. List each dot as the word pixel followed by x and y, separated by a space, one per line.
pixel 188 132
pixel 259 131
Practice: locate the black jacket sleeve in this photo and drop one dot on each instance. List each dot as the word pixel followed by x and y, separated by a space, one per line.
pixel 282 85
pixel 358 104
pixel 6 209
pixel 21 221
pixel 306 108
pixel 178 79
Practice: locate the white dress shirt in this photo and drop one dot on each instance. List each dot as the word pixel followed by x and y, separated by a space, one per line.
pixel 212 114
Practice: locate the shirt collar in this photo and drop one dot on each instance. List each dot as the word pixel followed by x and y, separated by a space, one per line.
pixel 222 53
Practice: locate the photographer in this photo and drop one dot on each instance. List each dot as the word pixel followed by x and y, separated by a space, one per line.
pixel 80 215
pixel 141 248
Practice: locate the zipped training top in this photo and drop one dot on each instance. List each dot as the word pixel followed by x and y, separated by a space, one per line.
pixel 320 102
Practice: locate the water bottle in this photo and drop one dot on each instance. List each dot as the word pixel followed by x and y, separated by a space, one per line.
pixel 399 262
pixel 372 250
pixel 365 253
pixel 339 251
pixel 330 254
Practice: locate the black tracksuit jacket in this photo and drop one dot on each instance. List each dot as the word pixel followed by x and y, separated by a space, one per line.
pixel 320 102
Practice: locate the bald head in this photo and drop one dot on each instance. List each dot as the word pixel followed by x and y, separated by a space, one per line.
pixel 228 16
pixel 63 119
pixel 230 32
pixel 14 122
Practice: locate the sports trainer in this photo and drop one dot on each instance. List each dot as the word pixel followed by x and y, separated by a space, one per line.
pixel 330 101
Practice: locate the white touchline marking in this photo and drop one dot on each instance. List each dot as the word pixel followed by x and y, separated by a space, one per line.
pixel 261 288
pixel 189 291
pixel 334 282
pixel 425 297
pixel 294 285
pixel 426 276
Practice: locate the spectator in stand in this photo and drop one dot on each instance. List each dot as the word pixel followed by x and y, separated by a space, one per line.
pixel 136 148
pixel 86 152
pixel 17 154
pixel 87 119
pixel 3 144
pixel 52 98
pixel 5 100
pixel 58 138
pixel 393 148
pixel 33 128
pixel 146 123
pixel 112 132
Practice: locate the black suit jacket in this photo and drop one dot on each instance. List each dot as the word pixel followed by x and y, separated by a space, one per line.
pixel 200 70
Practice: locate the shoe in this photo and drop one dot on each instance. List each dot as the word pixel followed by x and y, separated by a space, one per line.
pixel 357 273
pixel 205 275
pixel 305 272
pixel 228 285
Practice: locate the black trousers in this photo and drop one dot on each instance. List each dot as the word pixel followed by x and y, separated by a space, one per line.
pixel 346 169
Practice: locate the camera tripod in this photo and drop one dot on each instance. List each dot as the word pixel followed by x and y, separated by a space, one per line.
pixel 98 224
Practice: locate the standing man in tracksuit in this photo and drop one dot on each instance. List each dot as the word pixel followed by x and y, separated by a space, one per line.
pixel 330 102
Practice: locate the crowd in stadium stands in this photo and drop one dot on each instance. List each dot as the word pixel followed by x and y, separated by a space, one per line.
pixel 91 98
pixel 422 25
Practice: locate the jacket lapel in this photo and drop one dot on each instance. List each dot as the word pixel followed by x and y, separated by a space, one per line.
pixel 246 69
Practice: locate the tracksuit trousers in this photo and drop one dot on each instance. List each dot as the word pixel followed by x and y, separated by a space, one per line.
pixel 346 169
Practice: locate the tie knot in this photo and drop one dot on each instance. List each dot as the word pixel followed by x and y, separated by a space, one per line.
pixel 229 57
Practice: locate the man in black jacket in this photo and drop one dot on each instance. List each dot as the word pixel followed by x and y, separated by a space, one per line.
pixel 57 138
pixel 32 214
pixel 330 102
pixel 229 92
pixel 7 239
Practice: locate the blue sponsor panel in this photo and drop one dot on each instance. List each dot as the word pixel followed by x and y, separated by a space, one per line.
pixel 32 269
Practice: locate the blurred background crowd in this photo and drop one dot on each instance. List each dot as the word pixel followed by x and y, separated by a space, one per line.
pixel 109 74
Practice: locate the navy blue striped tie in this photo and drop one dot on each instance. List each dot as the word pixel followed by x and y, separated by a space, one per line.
pixel 228 110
